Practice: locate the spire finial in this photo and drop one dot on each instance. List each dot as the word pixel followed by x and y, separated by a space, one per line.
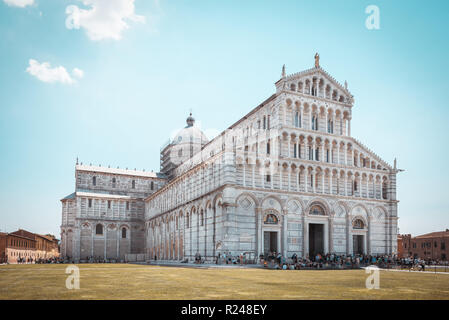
pixel 346 85
pixel 76 160
pixel 283 71
pixel 317 60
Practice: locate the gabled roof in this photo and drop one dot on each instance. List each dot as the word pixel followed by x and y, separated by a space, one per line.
pixel 69 197
pixel 323 73
pixel 23 234
pixel 437 234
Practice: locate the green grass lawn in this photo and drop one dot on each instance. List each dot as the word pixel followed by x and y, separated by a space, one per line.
pixel 125 281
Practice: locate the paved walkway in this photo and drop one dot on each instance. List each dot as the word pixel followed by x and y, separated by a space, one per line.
pixel 196 265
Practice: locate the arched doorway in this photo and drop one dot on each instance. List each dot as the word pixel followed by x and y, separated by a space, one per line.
pixel 271 232
pixel 358 236
pixel 317 230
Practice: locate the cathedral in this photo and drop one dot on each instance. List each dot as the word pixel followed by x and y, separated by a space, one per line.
pixel 287 177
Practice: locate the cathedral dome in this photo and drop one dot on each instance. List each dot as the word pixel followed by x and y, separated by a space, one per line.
pixel 190 134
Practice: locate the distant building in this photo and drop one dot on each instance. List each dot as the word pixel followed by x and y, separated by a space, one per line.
pixel 27 245
pixel 427 246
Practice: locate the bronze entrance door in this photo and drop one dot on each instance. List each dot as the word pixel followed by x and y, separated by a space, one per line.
pixel 270 239
pixel 316 239
pixel 357 244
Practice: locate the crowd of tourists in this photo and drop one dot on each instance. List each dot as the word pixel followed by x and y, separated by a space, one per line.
pixel 334 261
pixel 30 260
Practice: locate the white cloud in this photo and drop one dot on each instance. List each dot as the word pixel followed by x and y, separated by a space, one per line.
pixel 104 19
pixel 78 73
pixel 44 72
pixel 19 3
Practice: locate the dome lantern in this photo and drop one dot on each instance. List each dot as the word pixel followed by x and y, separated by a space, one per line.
pixel 190 120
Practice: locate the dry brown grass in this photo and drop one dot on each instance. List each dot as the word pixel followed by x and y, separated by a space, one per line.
pixel 123 281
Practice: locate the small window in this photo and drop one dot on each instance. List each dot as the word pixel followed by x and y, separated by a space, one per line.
pixel 99 229
pixel 90 203
pixel 330 126
pixel 268 147
pixel 94 181
pixel 264 122
pixel 127 205
pixel 109 204
pixel 152 185
pixel 443 245
pixel 202 218
pixel 180 153
pixel 123 233
pixel 133 184
pixel 315 123
pixel 268 178
pixel 384 190
pixel 114 182
pixel 297 119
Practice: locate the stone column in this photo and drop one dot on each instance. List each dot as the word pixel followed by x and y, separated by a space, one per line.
pixel 326 126
pixel 92 241
pixel 280 177
pixel 346 156
pixel 285 234
pixel 118 242
pixel 345 184
pixel 313 180
pixel 349 235
pixel 259 231
pixel 305 234
pixel 297 179
pixel 331 191
pixel 349 126
pixel 367 188
pixel 322 181
pixel 306 173
pixel 105 240
pixel 338 154
pixel 331 234
pixel 326 238
pixel 253 174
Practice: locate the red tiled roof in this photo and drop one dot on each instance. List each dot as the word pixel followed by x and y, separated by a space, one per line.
pixel 438 234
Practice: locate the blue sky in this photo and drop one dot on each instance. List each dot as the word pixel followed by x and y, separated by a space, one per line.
pixel 221 59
